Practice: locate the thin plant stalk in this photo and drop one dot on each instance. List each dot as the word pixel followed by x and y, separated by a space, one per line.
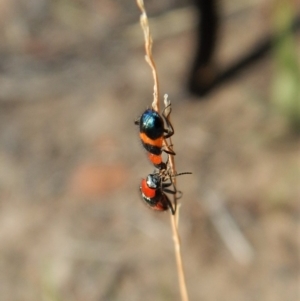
pixel 171 162
pixel 148 56
pixel 179 262
pixel 174 224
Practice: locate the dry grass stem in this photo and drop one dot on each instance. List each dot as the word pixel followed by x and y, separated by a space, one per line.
pixel 179 262
pixel 148 56
pixel 174 223
pixel 168 144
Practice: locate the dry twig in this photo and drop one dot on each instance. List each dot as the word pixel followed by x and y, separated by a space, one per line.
pixel 149 57
pixel 168 144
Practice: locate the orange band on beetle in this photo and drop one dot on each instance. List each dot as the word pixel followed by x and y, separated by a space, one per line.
pixel 155 159
pixel 146 140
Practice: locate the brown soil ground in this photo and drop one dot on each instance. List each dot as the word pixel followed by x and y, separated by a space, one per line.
pixel 72 226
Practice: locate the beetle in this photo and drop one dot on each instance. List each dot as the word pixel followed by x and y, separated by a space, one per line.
pixel 154 188
pixel 153 133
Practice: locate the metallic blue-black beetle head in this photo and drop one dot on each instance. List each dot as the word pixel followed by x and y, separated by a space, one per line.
pixel 152 124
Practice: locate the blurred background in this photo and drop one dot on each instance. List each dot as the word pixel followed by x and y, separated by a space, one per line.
pixel 72 225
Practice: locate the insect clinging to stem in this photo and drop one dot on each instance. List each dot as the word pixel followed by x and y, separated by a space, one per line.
pixel 153 133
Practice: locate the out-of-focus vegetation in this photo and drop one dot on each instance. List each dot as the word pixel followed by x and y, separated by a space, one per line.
pixel 285 89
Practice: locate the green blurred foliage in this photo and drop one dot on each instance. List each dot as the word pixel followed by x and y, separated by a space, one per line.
pixel 285 89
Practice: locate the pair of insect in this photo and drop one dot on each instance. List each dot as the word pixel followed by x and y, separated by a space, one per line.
pixel 153 134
